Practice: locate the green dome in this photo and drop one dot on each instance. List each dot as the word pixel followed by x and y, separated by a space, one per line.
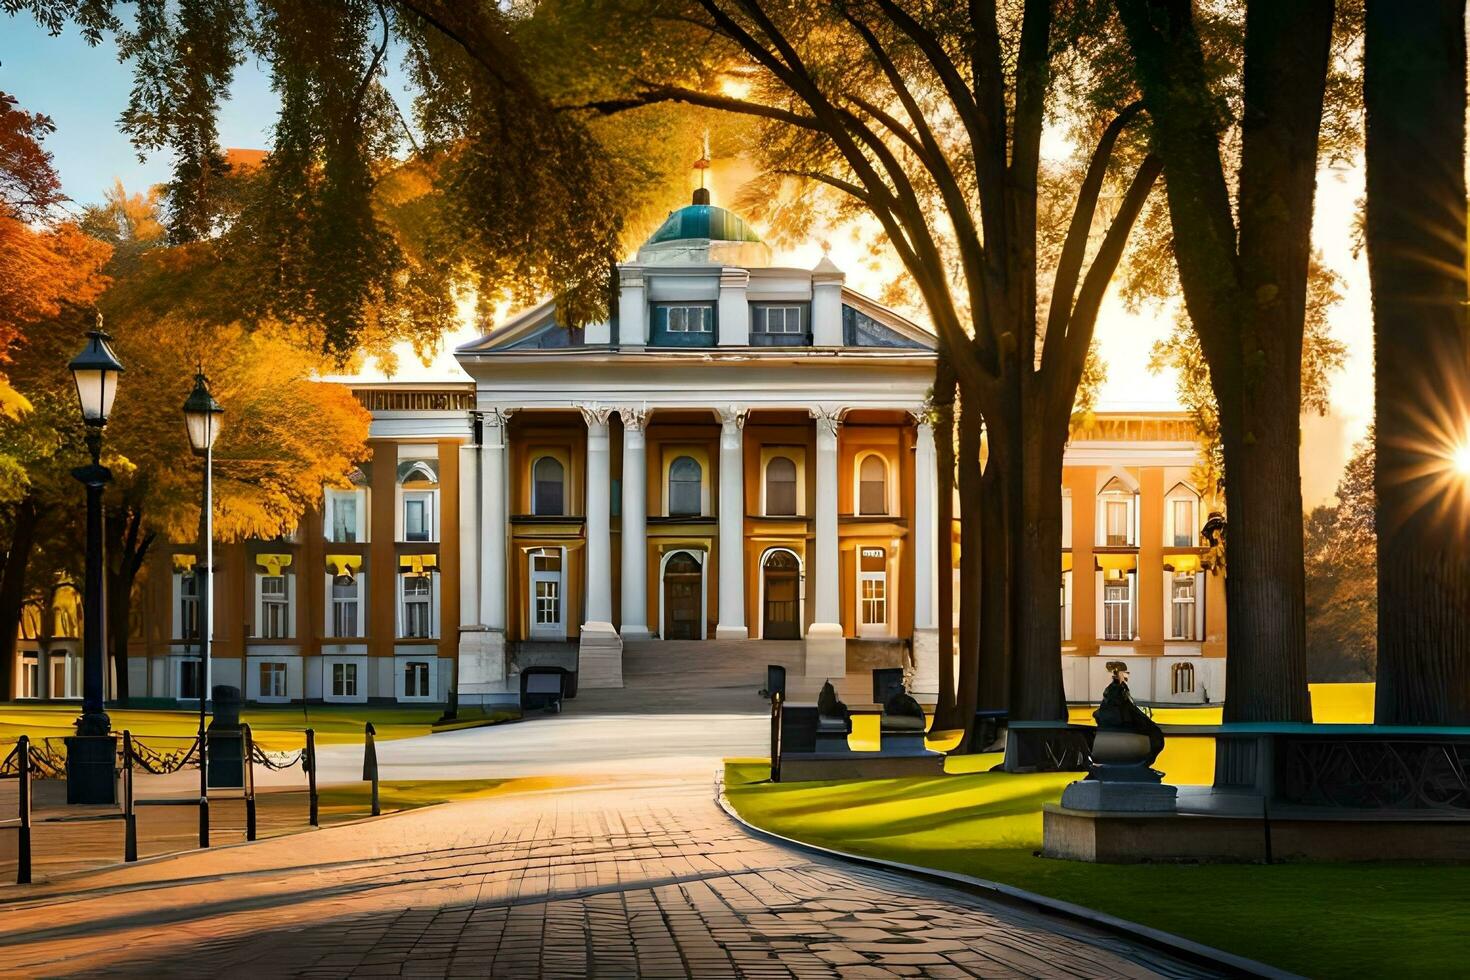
pixel 704 221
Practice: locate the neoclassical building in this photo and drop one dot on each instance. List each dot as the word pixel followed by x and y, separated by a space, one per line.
pixel 739 454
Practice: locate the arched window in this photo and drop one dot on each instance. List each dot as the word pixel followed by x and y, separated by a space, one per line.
pixel 684 487
pixel 548 479
pixel 873 486
pixel 781 487
pixel 1183 678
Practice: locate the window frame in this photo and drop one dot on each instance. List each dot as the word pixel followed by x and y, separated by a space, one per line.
pixel 430 599
pixel 286 600
pixel 332 499
pixel 1126 604
pixel 767 483
pixel 697 485
pixel 535 484
pixel 333 601
pixel 344 678
pixel 860 462
pixel 262 667
pixel 1174 604
pixel 405 667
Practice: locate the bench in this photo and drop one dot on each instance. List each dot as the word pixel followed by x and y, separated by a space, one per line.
pixel 1361 767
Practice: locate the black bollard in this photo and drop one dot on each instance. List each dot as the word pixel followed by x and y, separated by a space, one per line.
pixel 130 814
pixel 23 843
pixel 309 762
pixel 370 765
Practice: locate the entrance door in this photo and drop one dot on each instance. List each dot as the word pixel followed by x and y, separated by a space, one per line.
pixel 873 591
pixel 779 618
pixel 683 597
pixel 546 595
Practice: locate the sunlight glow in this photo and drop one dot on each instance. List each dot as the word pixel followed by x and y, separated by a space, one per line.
pixel 1461 460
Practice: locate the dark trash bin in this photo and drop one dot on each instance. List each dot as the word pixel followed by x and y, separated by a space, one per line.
pixel 544 687
pixel 226 740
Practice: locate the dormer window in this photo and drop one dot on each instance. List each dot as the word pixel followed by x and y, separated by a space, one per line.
pixel 779 325
pixel 682 324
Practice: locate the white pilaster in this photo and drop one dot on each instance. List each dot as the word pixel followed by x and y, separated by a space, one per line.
pixel 635 526
pixel 483 665
pixel 925 679
pixel 733 310
pixel 827 282
pixel 731 625
pixel 469 536
pixel 632 308
pixel 600 650
pixel 826 649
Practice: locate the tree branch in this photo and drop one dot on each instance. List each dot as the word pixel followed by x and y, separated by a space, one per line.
pixel 670 93
pixel 1074 249
pixel 1095 285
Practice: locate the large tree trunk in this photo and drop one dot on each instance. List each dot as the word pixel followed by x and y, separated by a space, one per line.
pixel 946 711
pixel 997 628
pixel 972 507
pixel 1265 583
pixel 13 589
pixel 1414 87
pixel 1036 674
pixel 1245 289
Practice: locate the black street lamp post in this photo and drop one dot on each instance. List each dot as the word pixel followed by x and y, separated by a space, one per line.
pixel 90 756
pixel 202 419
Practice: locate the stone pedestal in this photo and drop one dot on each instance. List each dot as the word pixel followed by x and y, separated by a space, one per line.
pixel 484 669
pixel 1099 796
pixel 826 651
pixel 924 685
pixel 599 657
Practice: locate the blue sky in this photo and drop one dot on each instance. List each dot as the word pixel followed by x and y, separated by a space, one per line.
pixel 84 90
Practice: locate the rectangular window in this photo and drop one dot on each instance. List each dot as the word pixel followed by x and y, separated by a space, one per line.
pixel 418 517
pixel 691 319
pixel 778 325
pixel 1118 524
pixel 188 606
pixel 190 679
pixel 275 607
pixel 31 678
pixel 415 679
pixel 346 510
pixel 1184 524
pixel 1181 608
pixel 1117 612
pixel 272 680
pixel 344 680
pixel 875 601
pixel 417 607
pixel 346 590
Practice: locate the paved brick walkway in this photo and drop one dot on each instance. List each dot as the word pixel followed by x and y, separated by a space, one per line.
pixel 631 880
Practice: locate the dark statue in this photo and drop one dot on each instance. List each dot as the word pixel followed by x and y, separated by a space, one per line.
pixel 1117 712
pixel 902 713
pixel 830 709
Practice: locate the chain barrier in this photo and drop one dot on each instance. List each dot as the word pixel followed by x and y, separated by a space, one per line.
pixel 160 761
pixel 47 761
pixel 276 760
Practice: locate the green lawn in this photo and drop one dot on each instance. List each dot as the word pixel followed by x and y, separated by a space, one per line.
pixel 1320 920
pixel 276 727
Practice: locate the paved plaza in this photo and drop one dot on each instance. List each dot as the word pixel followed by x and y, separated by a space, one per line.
pixel 633 879
pixel 630 869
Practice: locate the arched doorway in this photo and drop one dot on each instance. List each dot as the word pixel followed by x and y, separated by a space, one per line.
pixel 683 599
pixel 781 607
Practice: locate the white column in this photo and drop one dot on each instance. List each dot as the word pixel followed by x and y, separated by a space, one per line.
pixel 925 679
pixel 826 649
pixel 600 649
pixel 731 625
pixel 733 309
pixel 482 675
pixel 827 282
pixel 493 518
pixel 469 535
pixel 632 308
pixel 635 526
pixel 599 510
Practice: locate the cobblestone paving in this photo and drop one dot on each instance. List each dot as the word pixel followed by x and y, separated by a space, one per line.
pixel 632 880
